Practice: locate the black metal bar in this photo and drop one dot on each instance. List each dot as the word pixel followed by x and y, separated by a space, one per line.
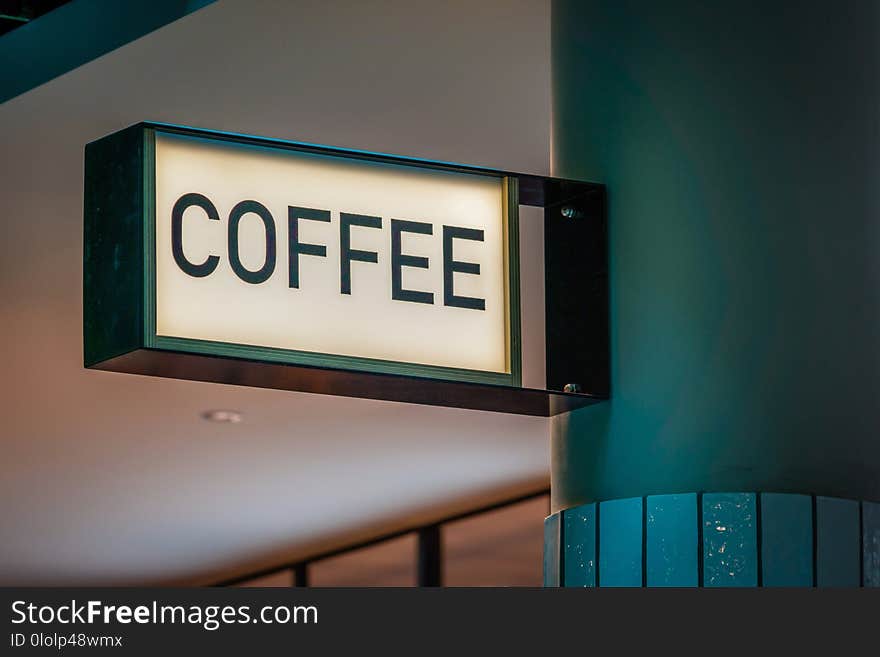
pixel 384 537
pixel 430 557
pixel 301 574
pixel 576 295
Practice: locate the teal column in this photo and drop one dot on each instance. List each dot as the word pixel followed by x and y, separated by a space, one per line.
pixel 740 145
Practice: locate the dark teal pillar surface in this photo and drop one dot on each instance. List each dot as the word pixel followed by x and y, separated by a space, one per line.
pixel 787 539
pixel 620 542
pixel 715 540
pixel 552 550
pixel 671 542
pixel 580 546
pixel 740 142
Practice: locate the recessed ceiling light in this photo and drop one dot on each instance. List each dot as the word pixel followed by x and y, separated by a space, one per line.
pixel 223 415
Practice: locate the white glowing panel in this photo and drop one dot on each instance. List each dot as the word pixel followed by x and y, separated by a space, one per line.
pixel 300 302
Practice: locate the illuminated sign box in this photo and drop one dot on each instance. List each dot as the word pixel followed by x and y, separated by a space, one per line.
pixel 242 260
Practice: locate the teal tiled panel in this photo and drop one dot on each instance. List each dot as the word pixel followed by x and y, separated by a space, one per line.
pixel 551 549
pixel 620 542
pixel 672 540
pixel 837 542
pixel 871 543
pixel 786 540
pixel 579 534
pixel 730 549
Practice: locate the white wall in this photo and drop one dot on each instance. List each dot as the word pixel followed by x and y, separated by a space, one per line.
pixel 109 478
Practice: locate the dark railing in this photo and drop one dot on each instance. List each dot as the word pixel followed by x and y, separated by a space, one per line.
pixel 429 566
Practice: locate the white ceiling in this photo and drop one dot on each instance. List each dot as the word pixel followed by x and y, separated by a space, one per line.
pixel 110 478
